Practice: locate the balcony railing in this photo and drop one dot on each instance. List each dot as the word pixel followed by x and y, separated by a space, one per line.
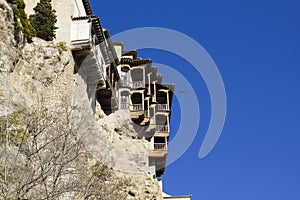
pixel 137 84
pixel 160 146
pixel 125 83
pixel 124 106
pixel 137 107
pixel 162 128
pixel 162 106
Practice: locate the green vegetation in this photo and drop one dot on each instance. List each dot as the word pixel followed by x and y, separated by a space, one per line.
pixel 62 46
pixel 44 20
pixel 11 126
pixel 22 23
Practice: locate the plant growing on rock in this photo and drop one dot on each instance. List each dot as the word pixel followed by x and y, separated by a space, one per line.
pixel 40 164
pixel 22 23
pixel 49 159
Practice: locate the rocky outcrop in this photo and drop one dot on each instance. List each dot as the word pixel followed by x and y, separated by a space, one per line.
pixel 42 74
pixel 8 53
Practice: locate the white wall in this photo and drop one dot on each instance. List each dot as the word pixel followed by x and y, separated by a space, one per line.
pixel 30 4
pixel 64 11
pixel 119 50
pixel 81 30
pixel 79 8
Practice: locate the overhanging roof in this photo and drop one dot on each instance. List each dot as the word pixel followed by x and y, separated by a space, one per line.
pixel 130 53
pixel 87 7
pixel 135 62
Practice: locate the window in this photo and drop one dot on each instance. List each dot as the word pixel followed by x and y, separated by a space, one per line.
pixel 124 78
pixel 124 103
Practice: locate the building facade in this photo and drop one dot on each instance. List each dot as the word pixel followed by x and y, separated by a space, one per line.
pixel 149 101
pixel 115 78
pixel 66 10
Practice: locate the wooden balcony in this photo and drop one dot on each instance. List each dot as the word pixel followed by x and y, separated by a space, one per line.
pixel 124 106
pixel 136 111
pixel 125 84
pixel 159 150
pixel 164 107
pixel 162 128
pixel 137 84
pixel 137 107
pixel 160 154
pixel 162 131
pixel 160 147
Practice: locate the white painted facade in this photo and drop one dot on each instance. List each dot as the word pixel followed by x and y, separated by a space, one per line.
pixel 119 51
pixel 81 33
pixel 79 10
pixel 65 11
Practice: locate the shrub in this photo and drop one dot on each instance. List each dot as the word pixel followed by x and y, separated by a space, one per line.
pixel 22 23
pixel 62 46
pixel 10 126
pixel 44 20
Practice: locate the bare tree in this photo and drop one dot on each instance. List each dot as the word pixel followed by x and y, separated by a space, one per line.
pixel 100 182
pixel 43 156
pixel 46 159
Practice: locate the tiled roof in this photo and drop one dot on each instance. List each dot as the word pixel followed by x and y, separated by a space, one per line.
pixel 135 62
pixel 130 53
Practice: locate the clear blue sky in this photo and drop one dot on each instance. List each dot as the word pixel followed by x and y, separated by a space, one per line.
pixel 256 47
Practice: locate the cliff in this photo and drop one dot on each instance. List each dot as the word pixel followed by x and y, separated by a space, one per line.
pixel 52 144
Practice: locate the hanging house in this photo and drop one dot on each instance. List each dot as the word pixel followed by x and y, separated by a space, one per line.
pixel 93 50
pixel 149 101
pixel 117 79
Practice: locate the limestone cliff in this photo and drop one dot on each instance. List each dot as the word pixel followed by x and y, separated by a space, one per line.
pixel 39 77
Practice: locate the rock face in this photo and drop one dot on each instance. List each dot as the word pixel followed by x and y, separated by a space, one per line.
pixel 41 74
pixel 8 53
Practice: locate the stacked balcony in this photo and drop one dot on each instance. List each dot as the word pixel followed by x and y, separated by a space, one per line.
pixel 149 102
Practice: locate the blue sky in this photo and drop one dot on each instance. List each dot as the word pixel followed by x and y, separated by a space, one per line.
pixel 256 46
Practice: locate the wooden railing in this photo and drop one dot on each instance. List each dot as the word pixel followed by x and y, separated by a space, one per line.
pixel 162 106
pixel 137 107
pixel 137 84
pixel 162 128
pixel 124 105
pixel 160 146
pixel 125 83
